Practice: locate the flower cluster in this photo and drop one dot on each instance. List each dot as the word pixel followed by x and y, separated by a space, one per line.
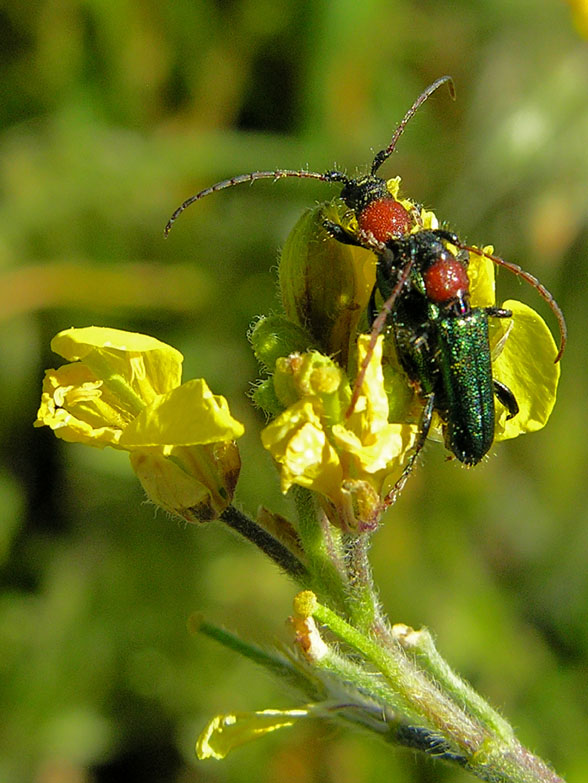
pixel 350 460
pixel 344 424
pixel 124 390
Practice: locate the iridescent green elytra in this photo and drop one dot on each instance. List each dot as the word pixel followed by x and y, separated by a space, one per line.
pixel 442 342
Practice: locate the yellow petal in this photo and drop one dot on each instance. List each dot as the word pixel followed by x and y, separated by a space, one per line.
pixel 147 365
pixel 226 732
pixel 372 403
pixel 526 365
pixel 481 271
pixel 391 445
pixel 393 185
pixel 188 415
pixel 298 442
pixel 428 220
pixel 75 344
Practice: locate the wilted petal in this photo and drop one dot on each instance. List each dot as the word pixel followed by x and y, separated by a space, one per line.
pixel 226 732
pixel 195 483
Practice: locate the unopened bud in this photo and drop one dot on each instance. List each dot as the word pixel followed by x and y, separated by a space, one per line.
pixel 325 285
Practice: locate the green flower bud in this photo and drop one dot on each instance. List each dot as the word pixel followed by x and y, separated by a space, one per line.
pixel 265 397
pixel 325 285
pixel 275 336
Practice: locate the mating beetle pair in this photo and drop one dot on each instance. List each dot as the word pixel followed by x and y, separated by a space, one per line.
pixel 441 340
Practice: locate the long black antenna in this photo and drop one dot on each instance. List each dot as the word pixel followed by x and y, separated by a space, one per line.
pixel 329 176
pixel 240 178
pixel 385 154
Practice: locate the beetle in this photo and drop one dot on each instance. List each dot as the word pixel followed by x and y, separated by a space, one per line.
pixel 421 275
pixel 442 342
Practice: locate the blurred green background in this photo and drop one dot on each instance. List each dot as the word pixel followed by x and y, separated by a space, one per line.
pixel 112 113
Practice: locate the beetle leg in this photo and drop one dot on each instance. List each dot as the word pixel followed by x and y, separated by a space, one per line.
pixel 506 397
pixel 340 234
pixel 425 426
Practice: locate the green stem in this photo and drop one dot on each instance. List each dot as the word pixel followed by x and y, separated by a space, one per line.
pixel 495 759
pixel 421 644
pixel 322 549
pixel 275 663
pixel 249 529
pixel 365 608
pixel 417 694
pixel 376 692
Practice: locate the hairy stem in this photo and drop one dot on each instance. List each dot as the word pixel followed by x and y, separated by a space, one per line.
pixel 249 529
pixel 366 610
pixel 322 547
pixel 440 721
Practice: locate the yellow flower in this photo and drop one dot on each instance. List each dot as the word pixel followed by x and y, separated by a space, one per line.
pixel 347 460
pixel 124 390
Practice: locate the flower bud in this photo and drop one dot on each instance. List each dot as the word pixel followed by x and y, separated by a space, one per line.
pixel 325 285
pixel 312 375
pixel 274 336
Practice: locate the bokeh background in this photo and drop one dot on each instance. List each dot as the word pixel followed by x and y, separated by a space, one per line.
pixel 111 114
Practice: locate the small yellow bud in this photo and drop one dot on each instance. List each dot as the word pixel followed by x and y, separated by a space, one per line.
pixel 305 604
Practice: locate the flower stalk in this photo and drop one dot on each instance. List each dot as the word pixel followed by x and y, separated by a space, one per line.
pixel 264 541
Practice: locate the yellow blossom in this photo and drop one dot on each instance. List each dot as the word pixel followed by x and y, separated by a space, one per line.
pixel 580 16
pixel 348 460
pixel 124 390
